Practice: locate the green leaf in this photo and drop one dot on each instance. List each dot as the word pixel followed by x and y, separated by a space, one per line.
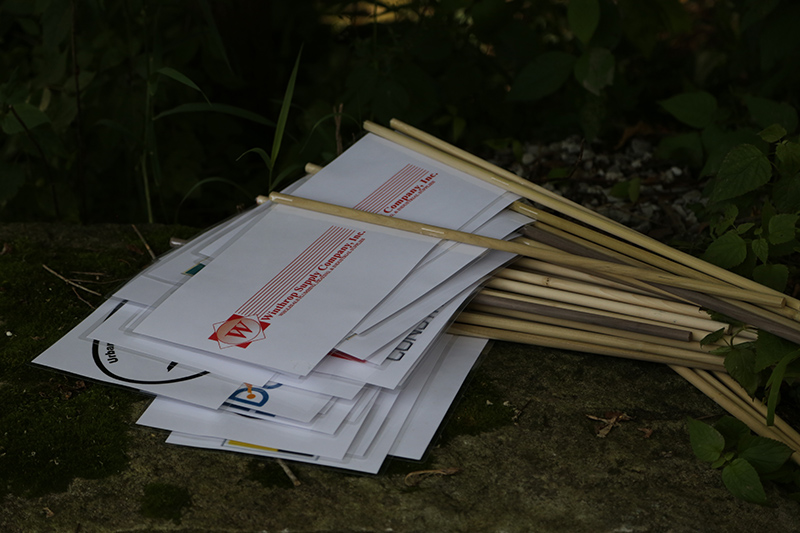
pixel 644 22
pixel 682 147
pixel 696 109
pixel 707 442
pixel 742 481
pixel 732 429
pixel 56 24
pixel 772 133
pixel 284 114
pixel 712 337
pixel 766 455
pixel 31 116
pixel 30 27
pixel 727 220
pixel 765 113
pixel 245 193
pixel 181 78
pixel 217 108
pixel 767 212
pixel 774 384
pixel 740 364
pixel 721 350
pixel 761 249
pixel 583 17
pixel 594 70
pixel 264 156
pixel 777 36
pixel 722 460
pixel 609 30
pixel 786 193
pixel 770 349
pixel 13 177
pixel 285 173
pixel 116 126
pixel 628 189
pixel 788 156
pixel 727 251
pixel 782 228
pixel 542 76
pixel 557 173
pixel 216 38
pixel 744 169
pixel 718 142
pixel 757 11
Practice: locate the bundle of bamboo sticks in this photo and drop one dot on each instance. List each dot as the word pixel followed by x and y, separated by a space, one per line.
pixel 583 282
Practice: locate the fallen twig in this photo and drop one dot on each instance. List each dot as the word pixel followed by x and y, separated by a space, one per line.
pixel 414 478
pixel 289 473
pixel 81 287
pixel 81 299
pixel 612 420
pixel 149 250
pixel 337 120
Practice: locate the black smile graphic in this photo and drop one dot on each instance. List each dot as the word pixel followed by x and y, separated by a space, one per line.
pixel 104 369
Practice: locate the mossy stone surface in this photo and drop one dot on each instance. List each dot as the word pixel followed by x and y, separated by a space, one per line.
pixel 164 501
pixel 524 454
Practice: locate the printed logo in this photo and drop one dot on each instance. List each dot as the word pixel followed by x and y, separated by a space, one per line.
pixel 253 396
pixel 239 331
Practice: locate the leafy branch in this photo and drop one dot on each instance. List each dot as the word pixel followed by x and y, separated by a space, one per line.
pixel 746 460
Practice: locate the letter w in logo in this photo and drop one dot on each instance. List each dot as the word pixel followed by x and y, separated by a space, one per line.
pixel 238 331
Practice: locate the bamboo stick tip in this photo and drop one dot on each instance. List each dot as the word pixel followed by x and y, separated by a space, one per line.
pixel 312 168
pixel 262 199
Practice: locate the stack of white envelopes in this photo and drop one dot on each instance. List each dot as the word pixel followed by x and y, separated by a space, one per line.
pixel 303 336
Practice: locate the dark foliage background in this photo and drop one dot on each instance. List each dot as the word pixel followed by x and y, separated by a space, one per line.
pixel 141 110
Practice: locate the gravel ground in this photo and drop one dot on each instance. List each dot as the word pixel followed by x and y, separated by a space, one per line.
pixel 666 198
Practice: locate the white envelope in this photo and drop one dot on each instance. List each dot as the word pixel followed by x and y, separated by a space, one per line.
pixel 363 345
pixel 172 415
pixel 404 356
pixel 114 330
pixel 277 400
pixel 422 417
pixel 109 363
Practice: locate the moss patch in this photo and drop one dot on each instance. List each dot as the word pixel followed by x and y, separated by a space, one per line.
pixel 268 474
pixel 480 409
pixel 164 501
pixel 59 433
pixel 56 426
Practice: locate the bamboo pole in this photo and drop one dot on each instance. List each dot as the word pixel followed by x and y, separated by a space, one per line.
pixel 478 307
pixel 570 273
pixel 527 251
pixel 538 236
pixel 759 406
pixel 312 168
pixel 689 357
pixel 563 344
pixel 738 409
pixel 695 334
pixel 601 246
pixel 739 310
pixel 496 175
pixel 602 292
pixel 665 317
pixel 496 299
